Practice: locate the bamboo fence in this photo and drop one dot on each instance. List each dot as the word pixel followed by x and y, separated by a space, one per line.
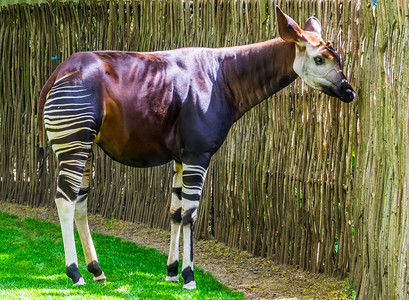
pixel 302 178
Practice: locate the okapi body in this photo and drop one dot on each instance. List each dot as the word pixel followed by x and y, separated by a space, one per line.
pixel 146 109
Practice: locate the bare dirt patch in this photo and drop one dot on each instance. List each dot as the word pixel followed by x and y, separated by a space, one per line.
pixel 257 278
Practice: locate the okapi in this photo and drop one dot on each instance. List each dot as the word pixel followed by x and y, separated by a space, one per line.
pixel 146 109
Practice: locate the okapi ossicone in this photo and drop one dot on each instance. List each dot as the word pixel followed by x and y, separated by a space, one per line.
pixel 146 109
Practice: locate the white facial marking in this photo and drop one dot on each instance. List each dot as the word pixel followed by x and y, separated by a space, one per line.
pixel 315 69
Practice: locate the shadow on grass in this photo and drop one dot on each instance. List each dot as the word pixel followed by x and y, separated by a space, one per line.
pixel 59 286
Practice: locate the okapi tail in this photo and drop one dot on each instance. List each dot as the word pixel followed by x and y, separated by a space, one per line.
pixel 40 111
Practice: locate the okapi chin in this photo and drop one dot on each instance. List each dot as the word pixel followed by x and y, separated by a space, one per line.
pixel 146 109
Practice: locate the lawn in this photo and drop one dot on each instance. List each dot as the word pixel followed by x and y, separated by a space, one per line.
pixel 32 266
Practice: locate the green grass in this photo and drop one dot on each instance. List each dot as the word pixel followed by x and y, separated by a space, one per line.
pixel 32 266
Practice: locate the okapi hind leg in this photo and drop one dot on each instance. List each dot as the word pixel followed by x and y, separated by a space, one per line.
pixel 176 218
pixel 68 186
pixel 81 220
pixel 193 177
pixel 70 117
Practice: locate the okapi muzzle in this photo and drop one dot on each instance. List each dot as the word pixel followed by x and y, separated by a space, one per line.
pixel 339 86
pixel 342 90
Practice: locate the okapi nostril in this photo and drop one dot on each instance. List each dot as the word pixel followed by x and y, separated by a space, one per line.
pixel 351 94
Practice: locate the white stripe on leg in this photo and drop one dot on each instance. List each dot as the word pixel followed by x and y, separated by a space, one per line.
pixel 187 267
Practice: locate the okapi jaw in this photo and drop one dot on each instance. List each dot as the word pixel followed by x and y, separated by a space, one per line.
pixel 316 62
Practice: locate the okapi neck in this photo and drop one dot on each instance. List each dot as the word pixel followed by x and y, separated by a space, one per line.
pixel 255 72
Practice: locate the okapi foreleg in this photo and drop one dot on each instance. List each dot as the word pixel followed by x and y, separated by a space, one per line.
pixel 176 218
pixel 193 180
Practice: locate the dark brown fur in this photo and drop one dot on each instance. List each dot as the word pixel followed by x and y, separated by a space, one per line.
pixel 154 107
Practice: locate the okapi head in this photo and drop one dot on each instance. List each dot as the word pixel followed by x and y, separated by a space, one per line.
pixel 316 62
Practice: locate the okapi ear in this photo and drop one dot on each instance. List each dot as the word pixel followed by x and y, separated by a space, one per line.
pixel 313 25
pixel 288 29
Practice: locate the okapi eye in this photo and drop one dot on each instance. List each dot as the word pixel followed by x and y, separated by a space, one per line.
pixel 319 60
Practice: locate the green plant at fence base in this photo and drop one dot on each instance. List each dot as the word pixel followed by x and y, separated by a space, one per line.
pixel 31 256
pixel 348 288
pixel 110 222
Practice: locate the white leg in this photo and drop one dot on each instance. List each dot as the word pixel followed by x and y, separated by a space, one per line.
pixel 176 217
pixel 70 176
pixel 81 220
pixel 66 215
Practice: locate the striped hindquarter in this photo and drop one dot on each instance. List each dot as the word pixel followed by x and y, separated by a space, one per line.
pixel 71 123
